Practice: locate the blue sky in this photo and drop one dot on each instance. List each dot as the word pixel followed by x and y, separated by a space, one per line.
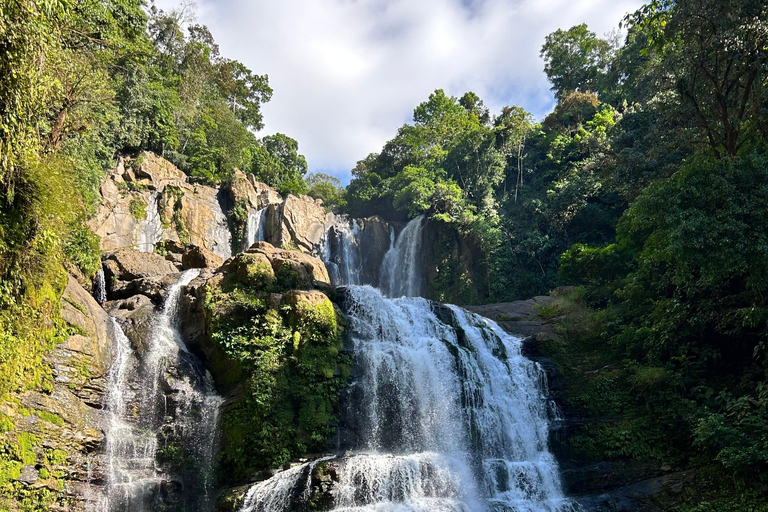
pixel 347 73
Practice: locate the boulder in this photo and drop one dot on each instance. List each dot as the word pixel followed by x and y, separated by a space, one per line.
pixel 200 257
pixel 293 269
pixel 300 222
pixel 156 169
pixel 155 287
pixel 136 317
pixel 266 194
pixel 127 265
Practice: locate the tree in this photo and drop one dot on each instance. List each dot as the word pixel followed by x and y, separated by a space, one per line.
pixel 277 163
pixel 326 187
pixel 576 60
pixel 715 55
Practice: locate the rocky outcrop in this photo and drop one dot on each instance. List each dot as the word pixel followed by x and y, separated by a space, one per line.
pixel 58 425
pixel 520 317
pixel 200 257
pixel 128 272
pixel 146 200
pixel 375 241
pixel 300 222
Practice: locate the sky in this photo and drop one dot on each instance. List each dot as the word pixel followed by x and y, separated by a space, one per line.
pixel 347 74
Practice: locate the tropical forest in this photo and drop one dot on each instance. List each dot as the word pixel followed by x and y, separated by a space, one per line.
pixel 493 311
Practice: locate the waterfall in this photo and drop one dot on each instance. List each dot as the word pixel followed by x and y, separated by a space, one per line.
pixel 100 287
pixel 287 488
pixel 219 233
pixel 341 252
pixel 401 274
pixel 151 229
pixel 444 414
pixel 254 228
pixel 163 413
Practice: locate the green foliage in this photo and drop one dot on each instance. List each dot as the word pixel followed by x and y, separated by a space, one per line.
pixel 292 371
pixel 576 60
pixel 683 324
pixel 277 162
pixel 138 208
pixel 329 189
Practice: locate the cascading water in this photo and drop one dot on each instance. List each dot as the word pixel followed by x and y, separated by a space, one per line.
pixel 341 252
pixel 151 229
pixel 444 414
pixel 219 233
pixel 400 272
pixel 100 287
pixel 163 412
pixel 254 228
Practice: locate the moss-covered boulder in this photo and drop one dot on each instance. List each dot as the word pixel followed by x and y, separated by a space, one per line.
pixel 272 342
pixel 51 428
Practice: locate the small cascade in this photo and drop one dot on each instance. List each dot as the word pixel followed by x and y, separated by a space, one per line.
pixel 283 491
pixel 444 414
pixel 150 231
pixel 255 228
pixel 401 272
pixel 163 412
pixel 341 252
pixel 99 291
pixel 219 233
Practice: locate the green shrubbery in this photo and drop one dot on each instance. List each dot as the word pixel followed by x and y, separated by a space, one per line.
pixel 286 362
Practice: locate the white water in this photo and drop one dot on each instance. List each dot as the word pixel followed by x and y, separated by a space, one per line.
pixel 219 233
pixel 254 228
pixel 401 275
pixel 446 415
pixel 100 287
pixel 150 230
pixel 282 490
pixel 142 397
pixel 341 252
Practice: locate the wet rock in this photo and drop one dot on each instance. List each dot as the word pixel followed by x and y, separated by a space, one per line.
pixel 651 495
pixel 136 317
pixel 374 243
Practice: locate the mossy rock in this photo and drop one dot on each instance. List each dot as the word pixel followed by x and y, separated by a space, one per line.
pixel 254 270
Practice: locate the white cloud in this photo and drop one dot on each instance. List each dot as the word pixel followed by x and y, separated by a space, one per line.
pixel 347 73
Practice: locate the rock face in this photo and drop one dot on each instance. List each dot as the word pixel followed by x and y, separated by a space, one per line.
pixel 128 272
pixel 148 199
pixel 374 244
pixel 299 221
pixel 59 425
pixel 623 485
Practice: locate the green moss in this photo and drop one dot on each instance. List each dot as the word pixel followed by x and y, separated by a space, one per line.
pixel 75 305
pixel 57 457
pixel 44 473
pixel 6 423
pixel 26 444
pixel 50 417
pixel 138 208
pixel 237 218
pixel 291 371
